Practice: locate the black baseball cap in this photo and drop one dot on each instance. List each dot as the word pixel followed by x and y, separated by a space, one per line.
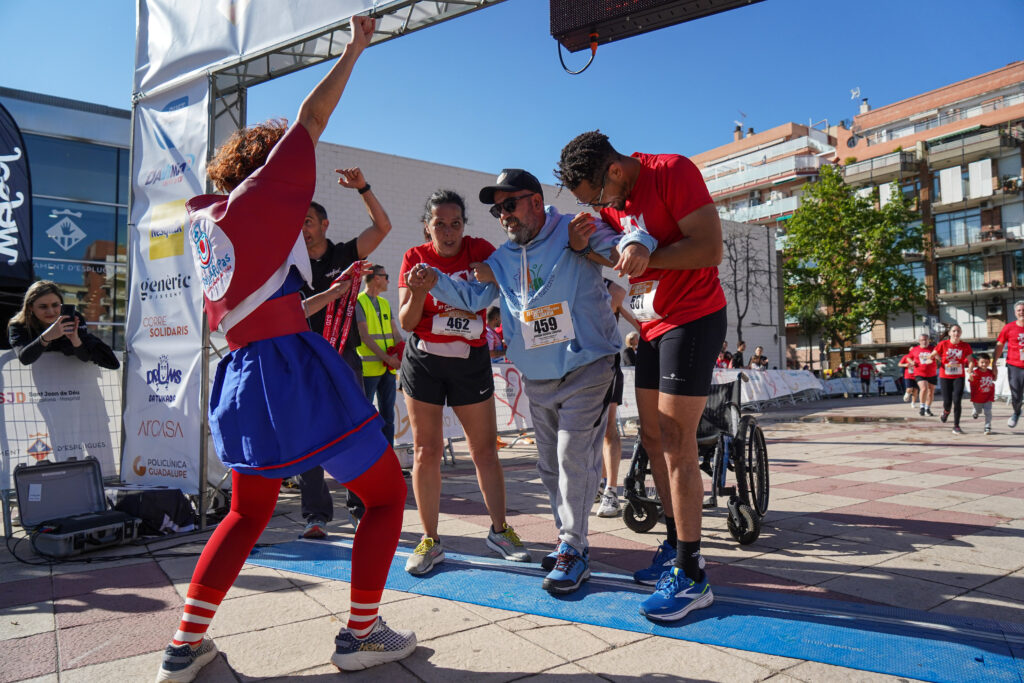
pixel 511 180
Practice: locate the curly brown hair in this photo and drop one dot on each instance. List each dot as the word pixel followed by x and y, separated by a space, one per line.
pixel 244 152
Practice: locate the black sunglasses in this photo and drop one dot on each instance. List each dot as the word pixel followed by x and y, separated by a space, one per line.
pixel 508 205
pixel 383 275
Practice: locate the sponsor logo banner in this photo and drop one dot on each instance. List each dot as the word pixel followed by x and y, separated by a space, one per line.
pixel 164 324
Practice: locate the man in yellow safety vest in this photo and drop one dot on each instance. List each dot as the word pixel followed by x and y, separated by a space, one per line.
pixel 380 347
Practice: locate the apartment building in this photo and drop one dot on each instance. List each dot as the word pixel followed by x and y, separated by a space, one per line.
pixel 957 152
pixel 758 179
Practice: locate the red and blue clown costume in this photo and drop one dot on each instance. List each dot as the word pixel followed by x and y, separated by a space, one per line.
pixel 283 401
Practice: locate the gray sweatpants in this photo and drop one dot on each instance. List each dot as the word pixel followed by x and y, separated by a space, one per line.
pixel 569 417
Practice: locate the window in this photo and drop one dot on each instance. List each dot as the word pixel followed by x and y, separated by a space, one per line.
pixel 67 168
pixel 961 274
pixel 1014 268
pixel 957 228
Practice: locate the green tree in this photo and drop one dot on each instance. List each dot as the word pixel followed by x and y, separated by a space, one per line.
pixel 844 257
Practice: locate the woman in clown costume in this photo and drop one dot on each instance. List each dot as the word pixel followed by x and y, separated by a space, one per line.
pixel 283 400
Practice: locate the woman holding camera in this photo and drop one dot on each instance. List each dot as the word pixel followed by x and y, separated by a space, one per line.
pixel 46 323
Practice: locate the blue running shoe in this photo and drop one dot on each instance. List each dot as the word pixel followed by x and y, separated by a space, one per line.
pixel 664 559
pixel 570 571
pixel 181 663
pixel 676 596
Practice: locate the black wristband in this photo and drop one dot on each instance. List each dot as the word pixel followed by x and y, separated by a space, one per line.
pixel 364 189
pixel 582 252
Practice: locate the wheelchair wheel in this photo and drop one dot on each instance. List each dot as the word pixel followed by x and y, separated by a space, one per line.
pixel 743 523
pixel 755 457
pixel 640 517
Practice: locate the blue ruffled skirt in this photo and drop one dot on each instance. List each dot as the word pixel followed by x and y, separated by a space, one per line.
pixel 283 405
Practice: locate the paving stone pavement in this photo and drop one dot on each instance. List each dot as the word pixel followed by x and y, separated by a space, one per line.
pixel 869 502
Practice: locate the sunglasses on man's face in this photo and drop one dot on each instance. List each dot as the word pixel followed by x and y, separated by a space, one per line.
pixel 383 275
pixel 507 206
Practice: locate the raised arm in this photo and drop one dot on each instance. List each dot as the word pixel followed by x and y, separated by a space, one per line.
pixel 380 226
pixel 318 106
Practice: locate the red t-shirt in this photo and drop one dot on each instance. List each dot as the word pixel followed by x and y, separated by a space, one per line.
pixel 922 368
pixel 952 358
pixel 983 386
pixel 908 372
pixel 668 188
pixel 865 370
pixel 473 249
pixel 1013 336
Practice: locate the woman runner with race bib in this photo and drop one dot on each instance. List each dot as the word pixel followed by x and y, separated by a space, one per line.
pixel 447 361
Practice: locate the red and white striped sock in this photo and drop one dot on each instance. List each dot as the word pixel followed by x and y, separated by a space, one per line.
pixel 363 613
pixel 201 604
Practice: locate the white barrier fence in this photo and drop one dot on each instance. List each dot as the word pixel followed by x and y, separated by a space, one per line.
pixel 513 407
pixel 58 408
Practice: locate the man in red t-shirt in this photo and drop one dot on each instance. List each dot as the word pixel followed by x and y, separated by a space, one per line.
pixel 865 370
pixel 1012 337
pixel 676 296
pixel 910 390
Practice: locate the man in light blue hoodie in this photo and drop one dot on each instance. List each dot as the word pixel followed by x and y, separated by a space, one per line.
pixel 562 336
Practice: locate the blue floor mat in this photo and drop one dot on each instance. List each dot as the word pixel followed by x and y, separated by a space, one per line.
pixel 887 640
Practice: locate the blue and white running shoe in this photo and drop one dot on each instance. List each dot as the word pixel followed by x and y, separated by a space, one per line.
pixel 676 596
pixel 570 571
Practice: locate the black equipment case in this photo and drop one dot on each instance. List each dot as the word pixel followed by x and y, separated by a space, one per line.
pixel 62 503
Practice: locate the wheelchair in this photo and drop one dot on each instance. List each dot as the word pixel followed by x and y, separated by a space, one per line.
pixel 727 441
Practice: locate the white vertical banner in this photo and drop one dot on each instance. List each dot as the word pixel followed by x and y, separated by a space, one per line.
pixel 163 411
pixel 979 174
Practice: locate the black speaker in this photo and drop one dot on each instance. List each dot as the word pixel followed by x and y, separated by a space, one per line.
pixel 573 21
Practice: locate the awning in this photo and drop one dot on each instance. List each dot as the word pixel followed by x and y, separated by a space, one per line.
pixel 955 132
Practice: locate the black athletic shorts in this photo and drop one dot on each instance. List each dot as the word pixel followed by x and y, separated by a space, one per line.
pixel 682 361
pixel 617 383
pixel 439 379
pixel 931 380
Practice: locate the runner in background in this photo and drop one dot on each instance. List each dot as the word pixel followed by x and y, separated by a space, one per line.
pixel 910 392
pixel 925 373
pixel 1012 338
pixel 607 494
pixel 983 389
pixel 864 371
pixel 952 357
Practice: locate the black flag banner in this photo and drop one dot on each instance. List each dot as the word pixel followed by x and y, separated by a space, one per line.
pixel 15 206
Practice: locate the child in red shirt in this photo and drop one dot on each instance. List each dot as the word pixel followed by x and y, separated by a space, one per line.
pixel 983 390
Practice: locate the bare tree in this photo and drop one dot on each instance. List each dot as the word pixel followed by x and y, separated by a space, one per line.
pixel 746 273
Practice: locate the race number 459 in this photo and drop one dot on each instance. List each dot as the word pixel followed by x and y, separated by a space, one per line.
pixel 545 325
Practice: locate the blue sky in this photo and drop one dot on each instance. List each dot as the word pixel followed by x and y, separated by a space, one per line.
pixel 486 91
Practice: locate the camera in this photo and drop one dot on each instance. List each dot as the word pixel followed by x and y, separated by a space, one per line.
pixel 68 310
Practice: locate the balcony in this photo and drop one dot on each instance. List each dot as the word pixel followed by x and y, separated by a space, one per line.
pixel 880 169
pixel 971 147
pixel 975 240
pixel 984 294
pixel 722 167
pixel 775 171
pixel 770 209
